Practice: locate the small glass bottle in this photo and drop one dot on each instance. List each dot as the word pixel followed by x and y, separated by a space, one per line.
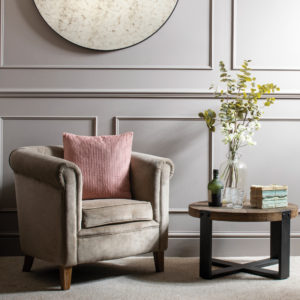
pixel 215 188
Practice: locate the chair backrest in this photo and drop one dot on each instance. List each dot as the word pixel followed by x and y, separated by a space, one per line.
pixel 57 151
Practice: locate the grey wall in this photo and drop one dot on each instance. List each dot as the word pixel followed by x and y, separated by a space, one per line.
pixel 156 89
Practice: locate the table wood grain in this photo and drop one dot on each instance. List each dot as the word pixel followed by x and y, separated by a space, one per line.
pixel 245 214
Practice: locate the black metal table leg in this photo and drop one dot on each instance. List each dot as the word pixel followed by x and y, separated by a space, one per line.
pixel 280 244
pixel 205 245
pixel 279 252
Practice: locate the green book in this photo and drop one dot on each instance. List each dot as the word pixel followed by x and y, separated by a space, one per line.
pixel 269 196
pixel 274 193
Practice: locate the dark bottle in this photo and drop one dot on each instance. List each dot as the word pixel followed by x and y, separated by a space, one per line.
pixel 215 188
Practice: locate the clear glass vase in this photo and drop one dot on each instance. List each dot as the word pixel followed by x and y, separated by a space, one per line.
pixel 233 174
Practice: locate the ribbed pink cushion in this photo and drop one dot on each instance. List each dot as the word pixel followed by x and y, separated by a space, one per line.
pixel 104 162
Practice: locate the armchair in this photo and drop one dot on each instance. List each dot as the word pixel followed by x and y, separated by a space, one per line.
pixel 56 225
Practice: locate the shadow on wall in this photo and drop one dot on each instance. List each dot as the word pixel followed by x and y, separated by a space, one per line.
pixel 7 195
pixel 36 22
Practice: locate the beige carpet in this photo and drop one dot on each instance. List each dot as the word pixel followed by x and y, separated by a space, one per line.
pixel 135 279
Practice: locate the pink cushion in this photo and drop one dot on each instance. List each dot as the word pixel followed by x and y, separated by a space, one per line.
pixel 104 162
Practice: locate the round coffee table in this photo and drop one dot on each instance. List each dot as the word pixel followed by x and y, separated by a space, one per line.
pixel 279 245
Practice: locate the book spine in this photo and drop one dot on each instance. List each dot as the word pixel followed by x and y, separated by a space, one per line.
pixel 277 193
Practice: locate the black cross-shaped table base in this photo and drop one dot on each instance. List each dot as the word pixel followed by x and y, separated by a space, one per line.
pixel 255 267
pixel 279 252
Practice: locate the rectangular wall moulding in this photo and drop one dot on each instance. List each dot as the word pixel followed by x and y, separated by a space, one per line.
pixel 30 131
pixel 275 151
pixel 124 94
pixel 267 32
pixel 166 49
pixel 186 141
pixel 274 160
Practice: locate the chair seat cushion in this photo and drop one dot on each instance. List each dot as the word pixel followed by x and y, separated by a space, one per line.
pixel 99 212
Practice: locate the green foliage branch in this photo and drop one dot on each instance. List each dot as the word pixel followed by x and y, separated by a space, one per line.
pixel 240 110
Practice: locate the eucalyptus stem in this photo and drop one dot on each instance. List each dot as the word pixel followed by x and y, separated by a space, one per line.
pixel 239 111
pixel 239 114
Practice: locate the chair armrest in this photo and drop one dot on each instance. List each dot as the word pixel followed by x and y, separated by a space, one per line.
pixel 150 176
pixel 49 195
pixel 45 168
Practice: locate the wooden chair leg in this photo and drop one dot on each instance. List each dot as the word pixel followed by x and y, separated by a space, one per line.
pixel 28 261
pixel 159 258
pixel 65 277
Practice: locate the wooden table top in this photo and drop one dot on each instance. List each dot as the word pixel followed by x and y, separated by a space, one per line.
pixel 245 214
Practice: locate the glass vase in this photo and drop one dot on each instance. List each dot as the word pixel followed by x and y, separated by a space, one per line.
pixel 233 174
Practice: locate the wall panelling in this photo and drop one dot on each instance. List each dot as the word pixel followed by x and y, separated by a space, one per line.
pixel 270 40
pixel 154 53
pixel 156 89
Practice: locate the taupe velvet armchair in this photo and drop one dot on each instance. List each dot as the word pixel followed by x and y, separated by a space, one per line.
pixel 55 225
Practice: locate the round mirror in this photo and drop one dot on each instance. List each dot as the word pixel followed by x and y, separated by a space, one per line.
pixel 105 24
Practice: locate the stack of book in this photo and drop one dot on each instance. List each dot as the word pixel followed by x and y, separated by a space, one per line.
pixel 268 196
